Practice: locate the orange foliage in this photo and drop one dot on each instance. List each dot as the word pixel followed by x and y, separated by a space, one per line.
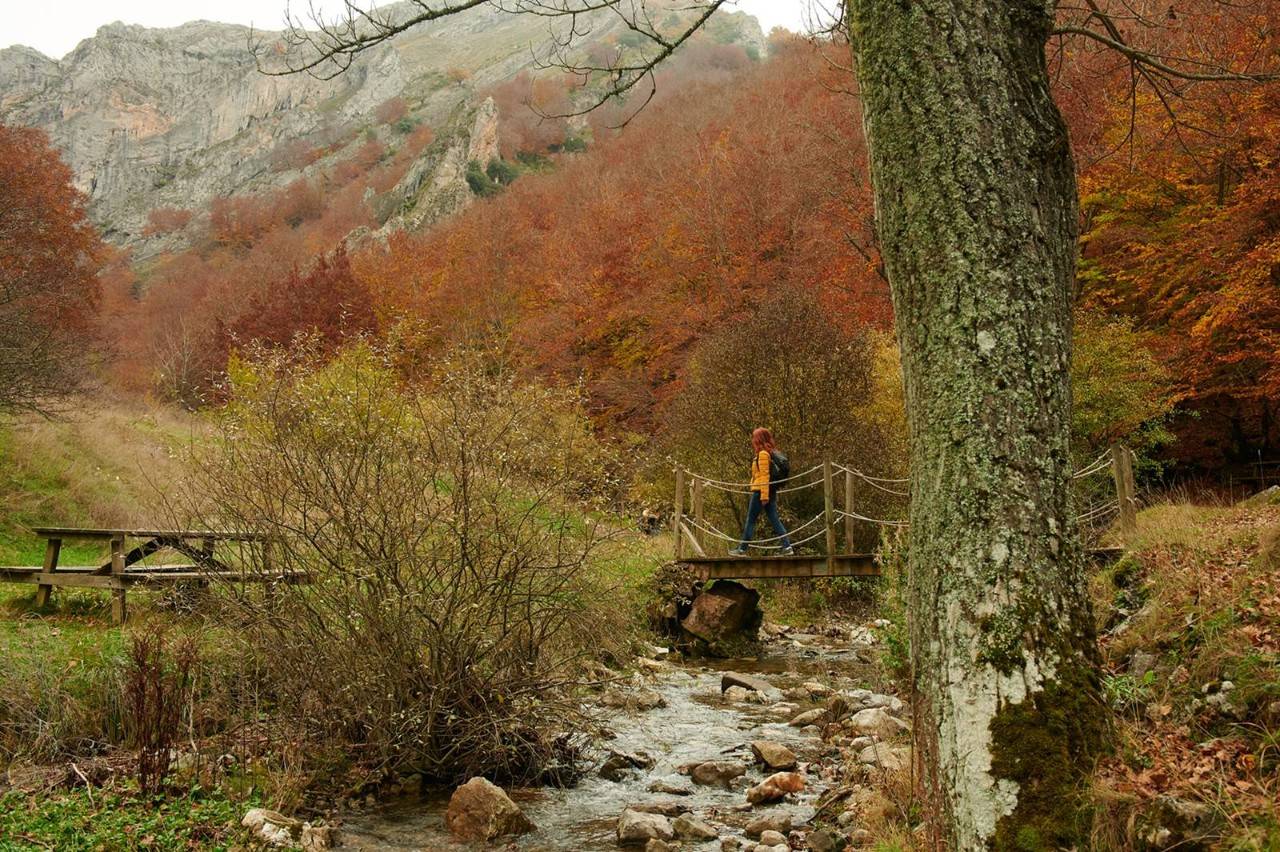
pixel 166 220
pixel 390 110
pixel 615 264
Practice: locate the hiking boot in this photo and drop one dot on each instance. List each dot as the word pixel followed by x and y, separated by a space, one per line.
pixel 788 551
pixel 738 551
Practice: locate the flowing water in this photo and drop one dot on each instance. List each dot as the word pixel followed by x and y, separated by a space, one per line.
pixel 697 724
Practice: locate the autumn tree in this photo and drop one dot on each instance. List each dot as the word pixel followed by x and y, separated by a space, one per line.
pixel 49 259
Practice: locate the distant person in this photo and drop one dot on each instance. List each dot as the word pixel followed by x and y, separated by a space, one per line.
pixel 769 467
pixel 650 521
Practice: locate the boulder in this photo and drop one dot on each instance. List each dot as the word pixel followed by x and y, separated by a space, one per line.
pixel 775 787
pixel 717 772
pixel 824 840
pixel 691 828
pixel 638 827
pixel 666 808
pixel 316 838
pixel 724 617
pixel 892 759
pixel 480 810
pixel 876 722
pixel 808 717
pixel 673 786
pixel 780 823
pixel 270 827
pixel 773 755
pixel 755 684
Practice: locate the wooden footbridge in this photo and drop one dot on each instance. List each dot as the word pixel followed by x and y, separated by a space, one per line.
pixel 827 539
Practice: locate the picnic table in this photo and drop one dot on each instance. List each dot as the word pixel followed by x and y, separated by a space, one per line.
pixel 126 567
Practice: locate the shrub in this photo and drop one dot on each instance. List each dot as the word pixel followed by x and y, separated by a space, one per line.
pixel 480 182
pixel 501 172
pixel 451 596
pixel 166 220
pixel 157 686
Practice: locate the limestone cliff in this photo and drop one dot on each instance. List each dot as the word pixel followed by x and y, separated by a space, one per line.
pixel 150 118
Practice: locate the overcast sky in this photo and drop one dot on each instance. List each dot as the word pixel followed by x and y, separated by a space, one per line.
pixel 54 27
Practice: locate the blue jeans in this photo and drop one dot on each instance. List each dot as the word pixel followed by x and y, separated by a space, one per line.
pixel 771 511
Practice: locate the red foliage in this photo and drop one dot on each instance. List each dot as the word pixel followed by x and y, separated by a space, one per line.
pixel 166 220
pixel 390 111
pixel 326 301
pixel 49 260
pixel 527 110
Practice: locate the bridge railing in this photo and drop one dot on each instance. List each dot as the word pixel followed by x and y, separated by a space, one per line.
pixel 694 532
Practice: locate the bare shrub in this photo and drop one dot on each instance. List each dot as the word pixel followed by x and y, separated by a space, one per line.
pixel 157 685
pixel 451 597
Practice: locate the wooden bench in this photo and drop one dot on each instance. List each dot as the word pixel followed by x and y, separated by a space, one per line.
pixel 123 570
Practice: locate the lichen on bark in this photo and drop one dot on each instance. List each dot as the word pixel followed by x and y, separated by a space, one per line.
pixel 976 214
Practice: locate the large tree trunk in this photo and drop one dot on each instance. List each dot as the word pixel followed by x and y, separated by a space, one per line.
pixel 976 206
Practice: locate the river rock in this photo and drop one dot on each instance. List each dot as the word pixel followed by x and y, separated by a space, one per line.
pixel 892 703
pixel 737 694
pixel 808 717
pixel 815 690
pixel 666 808
pixel 755 684
pixel 876 722
pixel 730 844
pixel 860 837
pixel 719 772
pixel 638 827
pixel 673 786
pixel 656 845
pixel 480 810
pixel 772 838
pixel 780 823
pixel 691 828
pixel 775 787
pixel 724 616
pixel 823 840
pixel 270 827
pixel 773 755
pixel 316 838
pixel 891 758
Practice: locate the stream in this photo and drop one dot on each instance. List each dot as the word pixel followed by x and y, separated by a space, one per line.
pixel 698 723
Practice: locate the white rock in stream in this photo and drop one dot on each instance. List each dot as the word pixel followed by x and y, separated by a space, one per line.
pixel 691 828
pixel 875 721
pixel 636 828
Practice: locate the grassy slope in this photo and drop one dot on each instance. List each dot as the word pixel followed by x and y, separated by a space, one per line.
pixel 1197 605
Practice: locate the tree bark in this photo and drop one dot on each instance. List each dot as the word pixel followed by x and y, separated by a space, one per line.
pixel 976 211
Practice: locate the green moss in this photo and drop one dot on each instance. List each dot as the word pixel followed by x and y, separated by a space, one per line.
pixel 1046 745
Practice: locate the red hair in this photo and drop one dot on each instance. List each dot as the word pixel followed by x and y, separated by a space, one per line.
pixel 762 439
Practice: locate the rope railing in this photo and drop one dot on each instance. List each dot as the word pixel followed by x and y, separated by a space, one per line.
pixel 694 526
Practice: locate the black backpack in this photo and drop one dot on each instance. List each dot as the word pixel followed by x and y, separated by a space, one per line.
pixel 779 467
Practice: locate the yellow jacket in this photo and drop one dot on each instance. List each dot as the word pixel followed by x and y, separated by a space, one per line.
pixel 760 475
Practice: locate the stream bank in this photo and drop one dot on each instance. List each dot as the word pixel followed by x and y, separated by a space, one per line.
pixel 681 746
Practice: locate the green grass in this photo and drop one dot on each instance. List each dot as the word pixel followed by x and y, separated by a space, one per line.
pixel 109 820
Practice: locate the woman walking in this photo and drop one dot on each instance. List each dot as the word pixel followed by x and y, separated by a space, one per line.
pixel 764 492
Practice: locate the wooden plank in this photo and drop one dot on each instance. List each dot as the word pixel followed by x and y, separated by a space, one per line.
pixel 829 508
pixel 780 567
pixel 699 538
pixel 1122 474
pixel 108 533
pixel 60 578
pixel 119 609
pixel 693 540
pixel 51 551
pixel 848 509
pixel 678 519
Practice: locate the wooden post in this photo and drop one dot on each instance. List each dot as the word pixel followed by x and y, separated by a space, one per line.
pixel 699 536
pixel 677 520
pixel 1122 473
pixel 828 497
pixel 51 551
pixel 118 610
pixel 848 510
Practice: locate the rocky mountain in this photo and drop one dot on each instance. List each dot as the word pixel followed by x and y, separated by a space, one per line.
pixel 151 118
